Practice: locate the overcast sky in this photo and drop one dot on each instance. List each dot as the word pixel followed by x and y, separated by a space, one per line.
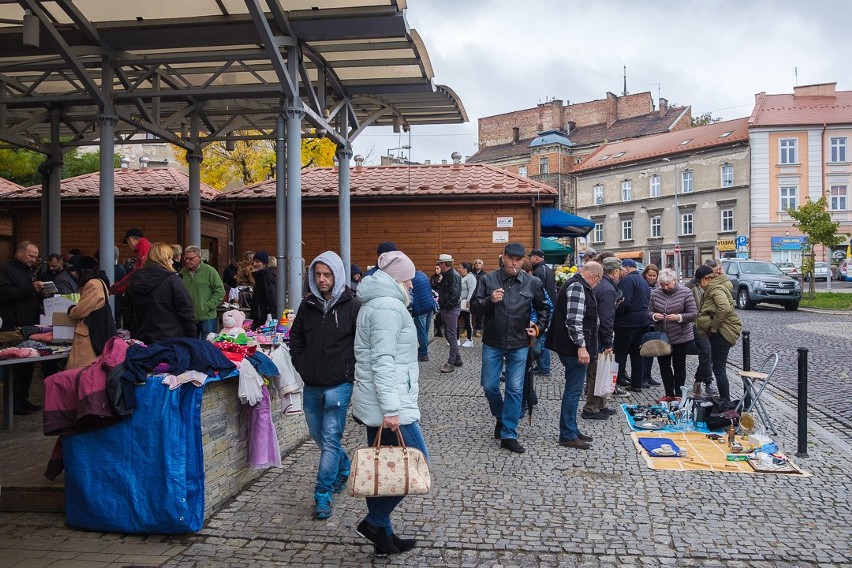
pixel 504 55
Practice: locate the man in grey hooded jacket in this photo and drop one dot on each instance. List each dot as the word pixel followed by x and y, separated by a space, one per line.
pixel 322 341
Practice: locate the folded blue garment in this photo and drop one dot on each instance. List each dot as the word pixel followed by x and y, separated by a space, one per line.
pixel 652 444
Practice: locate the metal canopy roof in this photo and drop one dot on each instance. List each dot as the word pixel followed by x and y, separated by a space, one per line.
pixel 236 63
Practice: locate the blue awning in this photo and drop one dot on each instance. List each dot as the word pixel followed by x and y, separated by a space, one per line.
pixel 558 223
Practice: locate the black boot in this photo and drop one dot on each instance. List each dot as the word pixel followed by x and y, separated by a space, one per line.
pixel 384 544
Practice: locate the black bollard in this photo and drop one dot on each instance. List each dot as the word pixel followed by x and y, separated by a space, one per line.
pixel 802 450
pixel 746 351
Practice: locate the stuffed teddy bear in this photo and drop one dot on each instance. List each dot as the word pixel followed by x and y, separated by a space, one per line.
pixel 232 329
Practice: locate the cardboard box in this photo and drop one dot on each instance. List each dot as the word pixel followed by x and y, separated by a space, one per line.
pixel 63 327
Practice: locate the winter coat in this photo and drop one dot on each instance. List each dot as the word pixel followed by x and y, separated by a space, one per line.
pixel 92 297
pixel 64 282
pixel 422 300
pixel 633 309
pixel 322 342
pixel 449 290
pixel 158 305
pixel 386 369
pixel 206 289
pixel 19 303
pixel 716 313
pixel 263 301
pixel 506 321
pixel 141 249
pixel 605 296
pixel 679 301
pixel 468 287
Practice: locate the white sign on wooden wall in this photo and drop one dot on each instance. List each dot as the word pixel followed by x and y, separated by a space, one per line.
pixel 506 222
pixel 499 236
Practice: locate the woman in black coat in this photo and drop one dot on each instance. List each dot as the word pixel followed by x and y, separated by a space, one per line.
pixel 157 305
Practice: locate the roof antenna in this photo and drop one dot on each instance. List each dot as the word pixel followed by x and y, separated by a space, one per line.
pixel 796 73
pixel 624 92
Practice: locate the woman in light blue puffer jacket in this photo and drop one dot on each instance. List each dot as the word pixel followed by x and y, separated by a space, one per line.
pixel 386 381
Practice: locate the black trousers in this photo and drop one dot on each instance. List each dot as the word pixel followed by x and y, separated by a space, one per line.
pixel 627 343
pixel 673 369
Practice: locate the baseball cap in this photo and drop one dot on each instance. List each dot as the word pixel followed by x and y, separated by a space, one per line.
pixel 628 263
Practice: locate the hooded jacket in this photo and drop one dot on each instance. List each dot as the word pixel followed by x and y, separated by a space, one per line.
pixel 322 338
pixel 679 301
pixel 158 305
pixel 386 369
pixel 716 313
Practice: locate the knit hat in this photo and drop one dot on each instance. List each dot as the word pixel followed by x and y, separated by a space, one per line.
pixel 628 263
pixel 262 256
pixel 701 272
pixel 386 246
pixel 396 265
pixel 612 263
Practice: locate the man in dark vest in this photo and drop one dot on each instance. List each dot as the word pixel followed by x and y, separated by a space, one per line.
pixel 574 336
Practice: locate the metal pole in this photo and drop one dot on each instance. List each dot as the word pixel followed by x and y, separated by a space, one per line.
pixel 676 250
pixel 344 208
pixel 107 121
pixel 194 158
pixel 294 113
pixel 746 351
pixel 802 448
pixel 54 208
pixel 280 211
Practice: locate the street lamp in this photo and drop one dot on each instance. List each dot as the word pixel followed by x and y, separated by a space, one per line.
pixel 676 251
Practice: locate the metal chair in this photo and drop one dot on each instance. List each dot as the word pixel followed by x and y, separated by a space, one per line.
pixel 752 392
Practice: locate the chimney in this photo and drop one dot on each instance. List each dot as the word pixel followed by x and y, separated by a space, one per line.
pixel 359 161
pixel 818 90
pixel 143 162
pixel 456 158
pixel 427 162
pixel 125 162
pixel 443 162
pixel 570 126
pixel 664 104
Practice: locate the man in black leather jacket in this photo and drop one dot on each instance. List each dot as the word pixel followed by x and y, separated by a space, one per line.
pixel 507 299
pixel 449 303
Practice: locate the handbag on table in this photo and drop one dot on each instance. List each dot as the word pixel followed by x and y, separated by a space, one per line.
pixel 385 471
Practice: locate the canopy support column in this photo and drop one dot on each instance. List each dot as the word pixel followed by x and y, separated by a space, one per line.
pixel 107 121
pixel 344 155
pixel 54 207
pixel 281 210
pixel 294 113
pixel 194 158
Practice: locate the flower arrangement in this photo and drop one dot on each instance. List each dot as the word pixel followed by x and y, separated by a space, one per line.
pixel 563 273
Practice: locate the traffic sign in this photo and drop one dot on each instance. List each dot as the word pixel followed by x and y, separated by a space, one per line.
pixel 742 241
pixel 677 249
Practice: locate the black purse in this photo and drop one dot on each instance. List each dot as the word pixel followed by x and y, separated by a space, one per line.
pixel 101 324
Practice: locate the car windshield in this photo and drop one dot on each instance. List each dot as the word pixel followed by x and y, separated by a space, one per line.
pixel 821 265
pixel 760 268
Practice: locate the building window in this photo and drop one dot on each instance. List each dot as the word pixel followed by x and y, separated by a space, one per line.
pixel 686 227
pixel 788 150
pixel 654 186
pixel 522 171
pixel 727 175
pixel 542 166
pixel 838 149
pixel 626 190
pixel 598 236
pixel 727 220
pixel 686 181
pixel 838 197
pixel 789 198
pixel 627 230
pixel 656 226
pixel 599 195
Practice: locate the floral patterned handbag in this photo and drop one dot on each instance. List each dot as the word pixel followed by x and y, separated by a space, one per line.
pixel 384 471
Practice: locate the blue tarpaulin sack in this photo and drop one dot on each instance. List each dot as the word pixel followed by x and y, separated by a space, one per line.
pixel 146 473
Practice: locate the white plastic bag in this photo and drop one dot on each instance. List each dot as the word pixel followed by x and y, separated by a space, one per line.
pixel 288 380
pixel 606 375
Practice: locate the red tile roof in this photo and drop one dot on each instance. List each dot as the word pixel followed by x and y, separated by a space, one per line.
pixel 147 182
pixel 436 180
pixel 668 144
pixel 643 125
pixel 810 105
pixel 6 186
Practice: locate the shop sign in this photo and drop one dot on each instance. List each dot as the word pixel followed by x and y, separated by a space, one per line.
pixel 725 245
pixel 788 243
pixel 499 236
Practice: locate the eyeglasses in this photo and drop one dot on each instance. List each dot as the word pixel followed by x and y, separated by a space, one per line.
pixel 191 257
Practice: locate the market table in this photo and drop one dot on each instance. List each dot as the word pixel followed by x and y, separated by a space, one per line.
pixel 9 366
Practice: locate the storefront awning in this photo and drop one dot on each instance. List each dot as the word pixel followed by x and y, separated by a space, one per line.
pixel 634 254
pixel 554 251
pixel 558 223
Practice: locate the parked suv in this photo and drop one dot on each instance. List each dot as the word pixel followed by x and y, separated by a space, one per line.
pixel 760 282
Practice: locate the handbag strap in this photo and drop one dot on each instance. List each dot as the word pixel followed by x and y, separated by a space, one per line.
pixel 377 444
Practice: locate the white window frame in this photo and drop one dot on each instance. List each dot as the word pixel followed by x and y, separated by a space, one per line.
pixel 686 181
pixel 788 150
pixel 626 190
pixel 727 174
pixel 838 149
pixel 656 226
pixel 627 230
pixel 788 197
pixel 543 165
pixel 839 197
pixel 522 171
pixel 654 186
pixel 599 196
pixel 687 226
pixel 727 220
pixel 598 233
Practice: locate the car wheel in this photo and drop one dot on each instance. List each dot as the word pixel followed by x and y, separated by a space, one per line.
pixel 742 300
pixel 791 307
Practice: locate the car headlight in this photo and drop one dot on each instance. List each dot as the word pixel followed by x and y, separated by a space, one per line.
pixel 759 284
pixel 797 286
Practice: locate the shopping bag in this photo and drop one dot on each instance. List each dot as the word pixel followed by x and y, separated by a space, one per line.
pixel 606 375
pixel 381 471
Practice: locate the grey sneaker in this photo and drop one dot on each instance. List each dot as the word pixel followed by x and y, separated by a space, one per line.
pixel 711 390
pixel 447 368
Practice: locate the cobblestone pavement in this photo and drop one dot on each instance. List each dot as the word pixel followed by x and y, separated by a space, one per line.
pixel 551 506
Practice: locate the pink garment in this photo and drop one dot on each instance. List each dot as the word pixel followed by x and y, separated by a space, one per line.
pixel 263 448
pixel 195 377
pixel 17 353
pixel 46 337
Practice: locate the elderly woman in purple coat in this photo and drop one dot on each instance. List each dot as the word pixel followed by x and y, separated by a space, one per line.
pixel 672 310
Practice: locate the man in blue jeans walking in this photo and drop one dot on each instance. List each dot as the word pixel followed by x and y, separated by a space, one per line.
pixel 322 345
pixel 574 336
pixel 506 299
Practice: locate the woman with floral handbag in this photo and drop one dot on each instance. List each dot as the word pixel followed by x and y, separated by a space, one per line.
pixel 386 386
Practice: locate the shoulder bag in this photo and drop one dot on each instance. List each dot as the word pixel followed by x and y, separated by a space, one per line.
pixel 384 471
pixel 101 324
pixel 655 344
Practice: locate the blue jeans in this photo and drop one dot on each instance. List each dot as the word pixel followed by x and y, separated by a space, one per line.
pixel 575 376
pixel 206 327
pixel 544 358
pixel 507 410
pixel 379 509
pixel 325 412
pixel 421 324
